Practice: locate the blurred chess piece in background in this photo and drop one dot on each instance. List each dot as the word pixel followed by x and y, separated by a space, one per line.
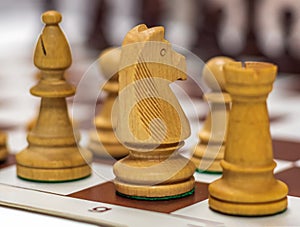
pixel 278 27
pixel 181 19
pixel 123 15
pixel 212 137
pixel 103 141
pixel 244 29
pixel 3 146
pixel 233 25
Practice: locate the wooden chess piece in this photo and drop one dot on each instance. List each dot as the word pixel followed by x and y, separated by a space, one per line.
pixel 248 186
pixel 103 142
pixel 32 122
pixel 52 154
pixel 3 147
pixel 96 34
pixel 150 120
pixel 210 149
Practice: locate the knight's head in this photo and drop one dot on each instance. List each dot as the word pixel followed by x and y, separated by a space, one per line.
pixel 145 50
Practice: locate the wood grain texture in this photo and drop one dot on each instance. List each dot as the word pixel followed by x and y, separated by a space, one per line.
pixel 151 123
pixel 52 154
pixel 248 186
pixel 103 142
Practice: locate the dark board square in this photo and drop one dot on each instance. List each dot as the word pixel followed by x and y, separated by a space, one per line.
pixel 106 193
pixel 10 160
pixel 286 150
pixel 291 178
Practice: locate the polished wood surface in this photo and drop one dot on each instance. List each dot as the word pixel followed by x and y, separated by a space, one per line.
pixel 106 192
pixel 248 186
pixel 52 154
pixel 151 122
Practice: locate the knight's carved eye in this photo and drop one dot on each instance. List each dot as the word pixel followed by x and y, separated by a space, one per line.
pixel 163 52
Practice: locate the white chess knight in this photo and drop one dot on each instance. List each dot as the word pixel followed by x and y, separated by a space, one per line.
pixel 150 120
pixel 144 96
pixel 270 30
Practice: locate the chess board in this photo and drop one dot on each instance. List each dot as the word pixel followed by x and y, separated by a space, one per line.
pixel 93 201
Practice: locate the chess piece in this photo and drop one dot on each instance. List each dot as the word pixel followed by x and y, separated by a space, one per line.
pixel 3 148
pixel 103 142
pixel 122 15
pixel 210 150
pixel 183 17
pixel 32 122
pixel 248 186
pixel 277 34
pixel 96 35
pixel 150 120
pixel 232 30
pixel 52 154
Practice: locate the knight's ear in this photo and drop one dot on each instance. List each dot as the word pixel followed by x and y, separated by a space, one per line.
pixel 155 33
pixel 135 34
pixel 140 27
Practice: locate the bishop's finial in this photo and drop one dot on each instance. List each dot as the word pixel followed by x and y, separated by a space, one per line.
pixel 51 17
pixel 52 50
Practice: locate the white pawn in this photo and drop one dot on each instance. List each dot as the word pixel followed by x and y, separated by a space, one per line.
pixel 103 142
pixel 210 150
